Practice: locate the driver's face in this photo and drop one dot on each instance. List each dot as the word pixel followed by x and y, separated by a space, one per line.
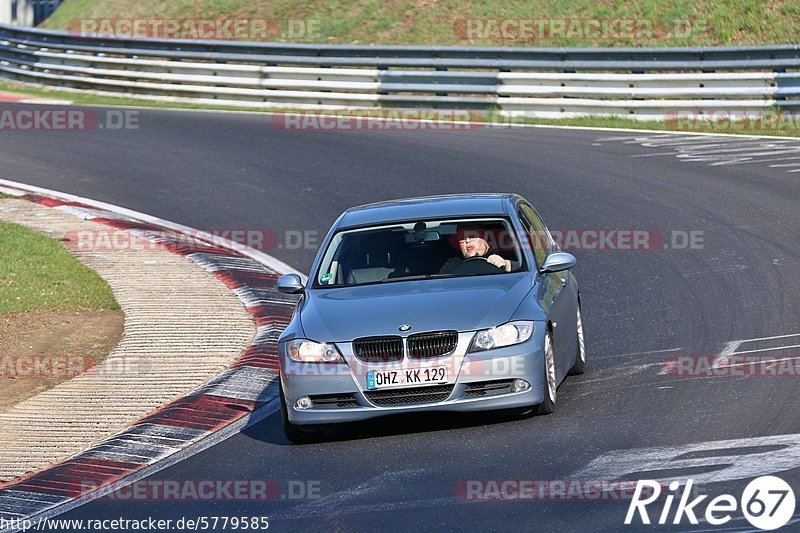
pixel 473 246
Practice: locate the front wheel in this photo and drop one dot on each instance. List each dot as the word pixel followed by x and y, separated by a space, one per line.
pixel 294 433
pixel 580 351
pixel 549 403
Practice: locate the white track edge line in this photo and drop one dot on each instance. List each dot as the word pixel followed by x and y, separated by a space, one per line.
pixel 489 125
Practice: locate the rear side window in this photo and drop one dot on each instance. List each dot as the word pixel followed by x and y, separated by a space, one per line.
pixel 538 238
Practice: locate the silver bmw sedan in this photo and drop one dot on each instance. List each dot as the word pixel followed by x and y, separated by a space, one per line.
pixel 443 303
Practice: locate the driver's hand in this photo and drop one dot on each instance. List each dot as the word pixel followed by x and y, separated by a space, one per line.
pixel 499 262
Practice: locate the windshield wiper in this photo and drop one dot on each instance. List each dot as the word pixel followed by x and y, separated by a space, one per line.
pixel 426 276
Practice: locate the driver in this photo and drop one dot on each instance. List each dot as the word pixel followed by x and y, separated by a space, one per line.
pixel 471 241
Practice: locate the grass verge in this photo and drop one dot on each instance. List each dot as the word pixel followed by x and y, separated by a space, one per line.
pixel 37 272
pixel 476 22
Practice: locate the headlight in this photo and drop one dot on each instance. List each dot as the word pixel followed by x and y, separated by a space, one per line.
pixel 505 335
pixel 304 351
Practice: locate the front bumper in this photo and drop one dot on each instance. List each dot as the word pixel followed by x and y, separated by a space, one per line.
pixel 521 361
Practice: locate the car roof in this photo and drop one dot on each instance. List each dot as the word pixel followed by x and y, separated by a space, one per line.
pixel 451 205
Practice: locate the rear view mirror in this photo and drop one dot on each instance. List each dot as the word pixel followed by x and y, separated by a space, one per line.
pixel 558 261
pixel 422 236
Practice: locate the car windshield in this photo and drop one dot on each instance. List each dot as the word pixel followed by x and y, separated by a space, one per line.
pixel 420 249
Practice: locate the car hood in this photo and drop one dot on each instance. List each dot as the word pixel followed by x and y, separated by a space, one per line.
pixel 462 304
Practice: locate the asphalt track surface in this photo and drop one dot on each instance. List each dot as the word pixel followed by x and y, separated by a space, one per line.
pixel 237 171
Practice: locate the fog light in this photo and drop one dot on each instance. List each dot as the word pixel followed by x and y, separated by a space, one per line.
pixel 520 385
pixel 304 402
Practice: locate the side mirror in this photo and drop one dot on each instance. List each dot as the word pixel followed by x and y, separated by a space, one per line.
pixel 558 261
pixel 290 284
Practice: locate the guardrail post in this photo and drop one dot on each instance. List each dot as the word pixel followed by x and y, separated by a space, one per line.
pixel 441 69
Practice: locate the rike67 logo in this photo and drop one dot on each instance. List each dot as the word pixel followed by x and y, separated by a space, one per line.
pixel 767 503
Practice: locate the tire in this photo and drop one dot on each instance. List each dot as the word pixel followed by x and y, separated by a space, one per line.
pixel 551 387
pixel 294 433
pixel 580 348
pixel 516 413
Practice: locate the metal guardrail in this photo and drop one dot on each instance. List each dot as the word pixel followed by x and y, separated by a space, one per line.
pixel 648 83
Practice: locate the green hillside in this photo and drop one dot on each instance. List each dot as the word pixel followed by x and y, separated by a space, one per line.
pixel 467 22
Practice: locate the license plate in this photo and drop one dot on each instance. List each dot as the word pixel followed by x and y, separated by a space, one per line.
pixel 381 379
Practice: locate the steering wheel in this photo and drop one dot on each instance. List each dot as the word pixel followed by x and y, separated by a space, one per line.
pixel 477 265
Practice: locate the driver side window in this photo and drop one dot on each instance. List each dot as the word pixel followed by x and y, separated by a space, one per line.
pixel 538 238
